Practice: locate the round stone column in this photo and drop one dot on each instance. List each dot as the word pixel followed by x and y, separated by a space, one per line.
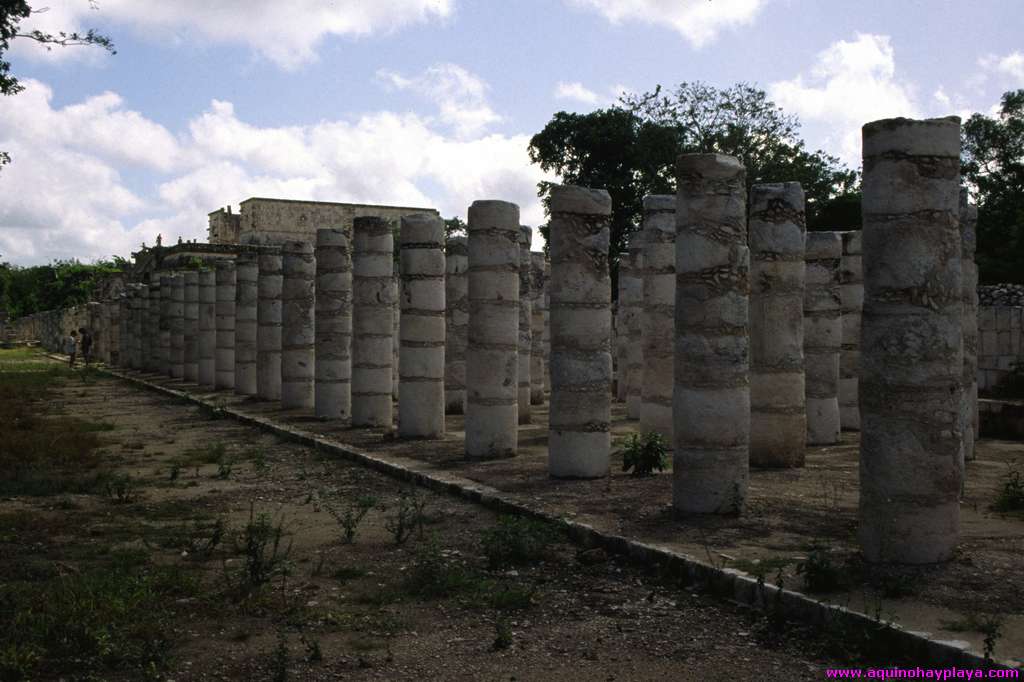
pixel 142 324
pixel 224 353
pixel 177 326
pixel 537 364
pixel 911 369
pixel 246 274
pixel 456 285
pixel 579 440
pixel 268 325
pixel 823 334
pixel 207 328
pixel 134 310
pixel 191 326
pixel 332 394
pixel 631 303
pixel 422 331
pixel 298 268
pixel 118 326
pixel 851 298
pixel 525 321
pixel 657 317
pixel 969 278
pixel 164 322
pixel 396 324
pixel 155 303
pixel 778 410
pixel 546 298
pixel 372 321
pixel 711 399
pixel 492 365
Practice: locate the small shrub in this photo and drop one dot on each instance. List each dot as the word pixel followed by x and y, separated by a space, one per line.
pixel 224 468
pixel 352 516
pixel 820 572
pixel 265 557
pixel 120 489
pixel 1010 497
pixel 408 516
pixel 175 471
pixel 433 576
pixel 515 541
pixel 502 633
pixel 279 659
pixel 644 454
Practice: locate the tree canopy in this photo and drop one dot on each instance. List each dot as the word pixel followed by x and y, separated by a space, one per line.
pixel 630 150
pixel 992 165
pixel 62 283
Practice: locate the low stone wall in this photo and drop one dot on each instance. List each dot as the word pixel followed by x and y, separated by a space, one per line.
pixel 1000 344
pixel 1001 418
pixel 49 328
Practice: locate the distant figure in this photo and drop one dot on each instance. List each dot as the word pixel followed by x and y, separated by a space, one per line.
pixel 86 344
pixel 159 239
pixel 71 347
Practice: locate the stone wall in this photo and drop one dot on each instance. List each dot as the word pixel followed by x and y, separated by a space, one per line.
pixel 1000 343
pixel 280 220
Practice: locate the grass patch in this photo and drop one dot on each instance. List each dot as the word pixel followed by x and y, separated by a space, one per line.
pixel 1010 494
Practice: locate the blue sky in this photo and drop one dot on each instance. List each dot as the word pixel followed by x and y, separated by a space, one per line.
pixel 427 102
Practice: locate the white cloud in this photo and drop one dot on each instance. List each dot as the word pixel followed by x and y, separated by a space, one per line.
pixel 698 21
pixel 69 196
pixel 1011 65
pixel 850 84
pixel 287 33
pixel 575 91
pixel 460 96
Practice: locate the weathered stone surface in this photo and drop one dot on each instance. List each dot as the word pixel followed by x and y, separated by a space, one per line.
pixel 224 353
pixel 372 322
pixel 332 395
pixel 711 401
pixel 152 335
pixel 177 326
pixel 823 333
pixel 192 326
pixel 298 271
pixel 207 328
pixel 579 441
pixel 492 366
pixel 851 295
pixel 778 418
pixel 164 324
pixel 456 324
pixel 538 365
pixel 422 327
pixel 246 295
pixel 525 321
pixel 268 326
pixel 658 316
pixel 631 306
pixel 911 353
pixel 969 278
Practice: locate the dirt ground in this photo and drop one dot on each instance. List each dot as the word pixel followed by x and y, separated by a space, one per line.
pixel 185 495
pixel 792 515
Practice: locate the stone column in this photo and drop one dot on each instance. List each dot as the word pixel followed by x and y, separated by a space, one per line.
pixel 631 302
pixel 396 322
pixel 153 324
pixel 778 409
pixel 421 353
pixel 911 352
pixel 619 342
pixel 246 274
pixel 546 298
pixel 969 278
pixel 99 326
pixel 145 341
pixel 492 365
pixel 711 397
pixel 372 321
pixel 192 326
pixel 166 305
pixel 657 318
pixel 823 334
pixel 579 441
pixel 298 268
pixel 177 326
pixel 537 364
pixel 851 297
pixel 207 328
pixel 332 393
pixel 525 314
pixel 224 353
pixel 456 285
pixel 118 319
pixel 128 356
pixel 268 321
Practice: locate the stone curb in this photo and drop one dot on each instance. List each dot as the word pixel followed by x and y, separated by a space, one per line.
pixel 731 584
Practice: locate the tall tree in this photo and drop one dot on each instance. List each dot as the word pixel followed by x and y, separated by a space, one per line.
pixel 992 165
pixel 12 13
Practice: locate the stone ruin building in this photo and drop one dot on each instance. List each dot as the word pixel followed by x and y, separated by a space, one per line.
pixel 739 336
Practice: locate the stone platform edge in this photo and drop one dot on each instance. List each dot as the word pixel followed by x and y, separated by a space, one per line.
pixel 725 583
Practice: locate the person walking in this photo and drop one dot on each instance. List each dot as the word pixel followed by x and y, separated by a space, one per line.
pixel 86 344
pixel 71 347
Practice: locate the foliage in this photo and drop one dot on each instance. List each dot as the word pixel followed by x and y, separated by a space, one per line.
pixel 454 227
pixel 515 541
pixel 992 164
pixel 630 150
pixel 350 519
pixel 1010 496
pixel 409 516
pixel 820 572
pixel 12 13
pixel 265 557
pixel 645 453
pixel 62 283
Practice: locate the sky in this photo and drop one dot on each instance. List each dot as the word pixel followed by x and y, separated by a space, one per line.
pixel 426 102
